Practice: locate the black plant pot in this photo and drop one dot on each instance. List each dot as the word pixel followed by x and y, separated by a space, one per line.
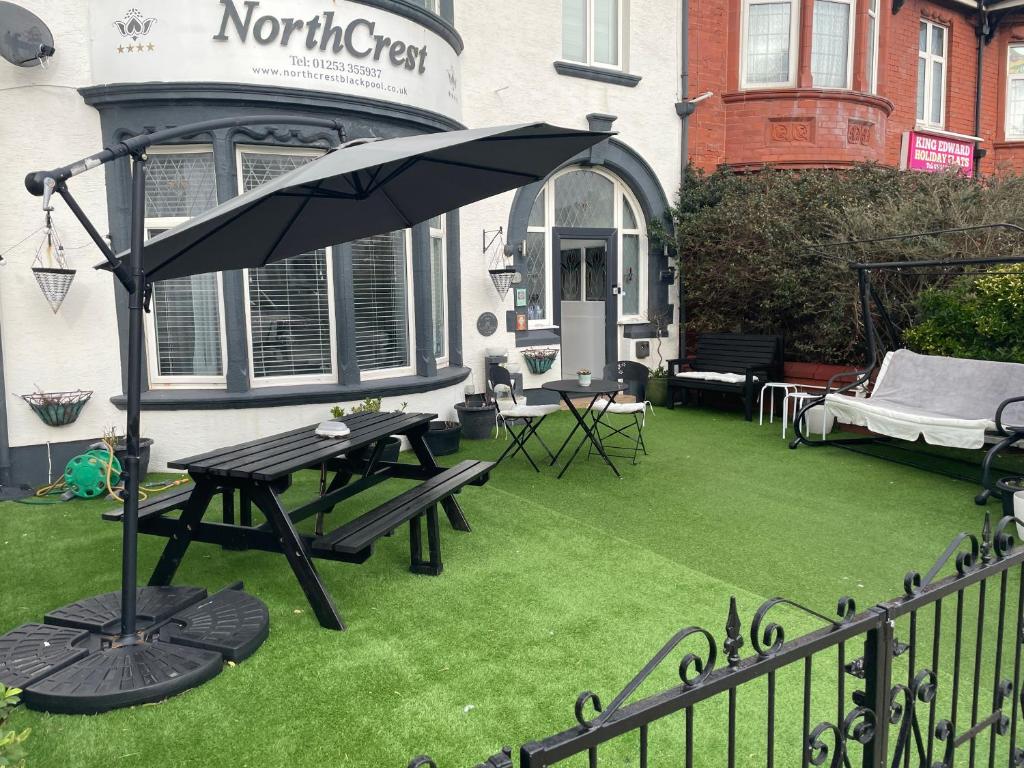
pixel 443 437
pixel 121 451
pixel 477 420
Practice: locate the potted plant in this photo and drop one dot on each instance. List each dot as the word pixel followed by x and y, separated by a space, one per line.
pixel 443 437
pixel 657 383
pixel 584 377
pixel 393 445
pixel 476 418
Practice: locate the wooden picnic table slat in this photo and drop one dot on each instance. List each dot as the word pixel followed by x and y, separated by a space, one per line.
pixel 218 455
pixel 314 455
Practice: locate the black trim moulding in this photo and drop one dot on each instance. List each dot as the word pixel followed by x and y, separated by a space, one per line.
pixel 571 69
pixel 266 397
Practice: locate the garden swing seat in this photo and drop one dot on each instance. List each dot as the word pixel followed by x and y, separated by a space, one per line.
pixel 947 401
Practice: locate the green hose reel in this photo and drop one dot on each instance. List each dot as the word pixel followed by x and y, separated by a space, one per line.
pixel 86 475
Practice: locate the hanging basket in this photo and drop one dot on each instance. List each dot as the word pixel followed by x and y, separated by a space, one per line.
pixel 540 360
pixel 54 282
pixel 57 408
pixel 502 278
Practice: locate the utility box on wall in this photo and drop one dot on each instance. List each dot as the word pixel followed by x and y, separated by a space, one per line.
pixel 643 349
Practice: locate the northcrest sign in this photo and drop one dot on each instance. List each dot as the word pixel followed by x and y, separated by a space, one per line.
pixel 338 47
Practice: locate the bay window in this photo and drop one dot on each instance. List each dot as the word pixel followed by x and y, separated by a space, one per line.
pixel 592 32
pixel 931 74
pixel 832 43
pixel 185 330
pixel 769 43
pixel 1015 93
pixel 291 328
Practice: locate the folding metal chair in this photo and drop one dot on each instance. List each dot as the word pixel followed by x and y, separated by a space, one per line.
pixel 634 376
pixel 512 414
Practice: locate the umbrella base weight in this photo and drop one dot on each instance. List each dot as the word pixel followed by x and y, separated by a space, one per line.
pixel 74 663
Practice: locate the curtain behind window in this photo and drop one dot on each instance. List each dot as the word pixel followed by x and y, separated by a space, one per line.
pixel 379 286
pixel 830 44
pixel 768 43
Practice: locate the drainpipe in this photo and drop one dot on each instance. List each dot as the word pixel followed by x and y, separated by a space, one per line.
pixel 983 31
pixel 684 108
pixel 5 443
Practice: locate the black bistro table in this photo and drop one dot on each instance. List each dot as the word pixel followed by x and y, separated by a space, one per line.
pixel 567 390
pixel 260 470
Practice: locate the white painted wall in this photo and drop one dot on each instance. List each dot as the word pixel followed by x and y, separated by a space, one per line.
pixel 507 77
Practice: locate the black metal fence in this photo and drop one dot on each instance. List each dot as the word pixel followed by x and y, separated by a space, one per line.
pixel 930 679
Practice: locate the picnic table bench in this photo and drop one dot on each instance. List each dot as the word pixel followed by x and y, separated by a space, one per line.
pixel 259 471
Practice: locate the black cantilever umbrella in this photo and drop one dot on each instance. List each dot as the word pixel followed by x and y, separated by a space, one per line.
pixel 362 190
pixel 149 643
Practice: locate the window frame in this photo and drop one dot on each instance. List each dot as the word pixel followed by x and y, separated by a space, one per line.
pixel 874 40
pixel 794 44
pixel 931 58
pixel 410 324
pixel 156 379
pixel 851 39
pixel 330 377
pixel 440 234
pixel 620 191
pixel 1010 135
pixel 588 38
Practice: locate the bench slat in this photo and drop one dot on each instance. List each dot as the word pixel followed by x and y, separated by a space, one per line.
pixel 157 505
pixel 358 534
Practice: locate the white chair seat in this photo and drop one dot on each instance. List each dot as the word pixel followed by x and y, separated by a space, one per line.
pixel 599 406
pixel 527 411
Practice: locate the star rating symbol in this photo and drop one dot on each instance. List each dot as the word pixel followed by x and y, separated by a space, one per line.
pixel 151 47
pixel 120 49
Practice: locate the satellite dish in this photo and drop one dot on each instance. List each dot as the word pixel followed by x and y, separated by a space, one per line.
pixel 25 40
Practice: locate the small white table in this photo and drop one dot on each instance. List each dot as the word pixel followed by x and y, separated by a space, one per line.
pixel 795 393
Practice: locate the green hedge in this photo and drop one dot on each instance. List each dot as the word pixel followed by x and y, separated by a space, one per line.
pixel 747 247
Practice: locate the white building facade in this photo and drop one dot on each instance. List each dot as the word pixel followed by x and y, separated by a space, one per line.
pixel 407 316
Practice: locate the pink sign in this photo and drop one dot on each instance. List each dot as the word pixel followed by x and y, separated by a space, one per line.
pixel 932 153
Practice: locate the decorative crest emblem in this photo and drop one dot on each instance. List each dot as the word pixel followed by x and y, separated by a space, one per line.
pixel 133 25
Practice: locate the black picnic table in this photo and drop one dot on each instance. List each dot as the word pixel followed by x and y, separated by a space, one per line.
pixel 259 471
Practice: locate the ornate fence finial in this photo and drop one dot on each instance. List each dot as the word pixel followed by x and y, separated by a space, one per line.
pixel 986 540
pixel 733 635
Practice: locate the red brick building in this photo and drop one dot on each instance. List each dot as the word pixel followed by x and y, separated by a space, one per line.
pixel 811 83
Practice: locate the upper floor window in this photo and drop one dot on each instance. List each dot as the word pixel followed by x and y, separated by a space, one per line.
pixel 873 33
pixel 769 43
pixel 931 74
pixel 429 5
pixel 592 32
pixel 1015 93
pixel 832 43
pixel 185 330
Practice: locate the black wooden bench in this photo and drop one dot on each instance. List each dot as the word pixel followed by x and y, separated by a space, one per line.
pixel 751 359
pixel 356 538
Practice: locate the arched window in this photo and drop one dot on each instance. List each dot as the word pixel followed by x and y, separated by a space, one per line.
pixel 586 198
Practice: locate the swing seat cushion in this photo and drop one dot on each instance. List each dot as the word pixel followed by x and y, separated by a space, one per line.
pixel 948 401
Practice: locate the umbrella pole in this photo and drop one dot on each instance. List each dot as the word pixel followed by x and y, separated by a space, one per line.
pixel 129 561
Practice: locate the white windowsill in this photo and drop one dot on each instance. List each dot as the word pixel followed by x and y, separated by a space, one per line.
pixel 925 128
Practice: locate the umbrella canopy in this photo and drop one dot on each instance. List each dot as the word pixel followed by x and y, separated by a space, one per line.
pixel 359 191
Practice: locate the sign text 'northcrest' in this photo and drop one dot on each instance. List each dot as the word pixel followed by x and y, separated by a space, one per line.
pixel 359 37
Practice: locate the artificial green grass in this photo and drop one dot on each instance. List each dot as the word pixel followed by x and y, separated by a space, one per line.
pixel 562 586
